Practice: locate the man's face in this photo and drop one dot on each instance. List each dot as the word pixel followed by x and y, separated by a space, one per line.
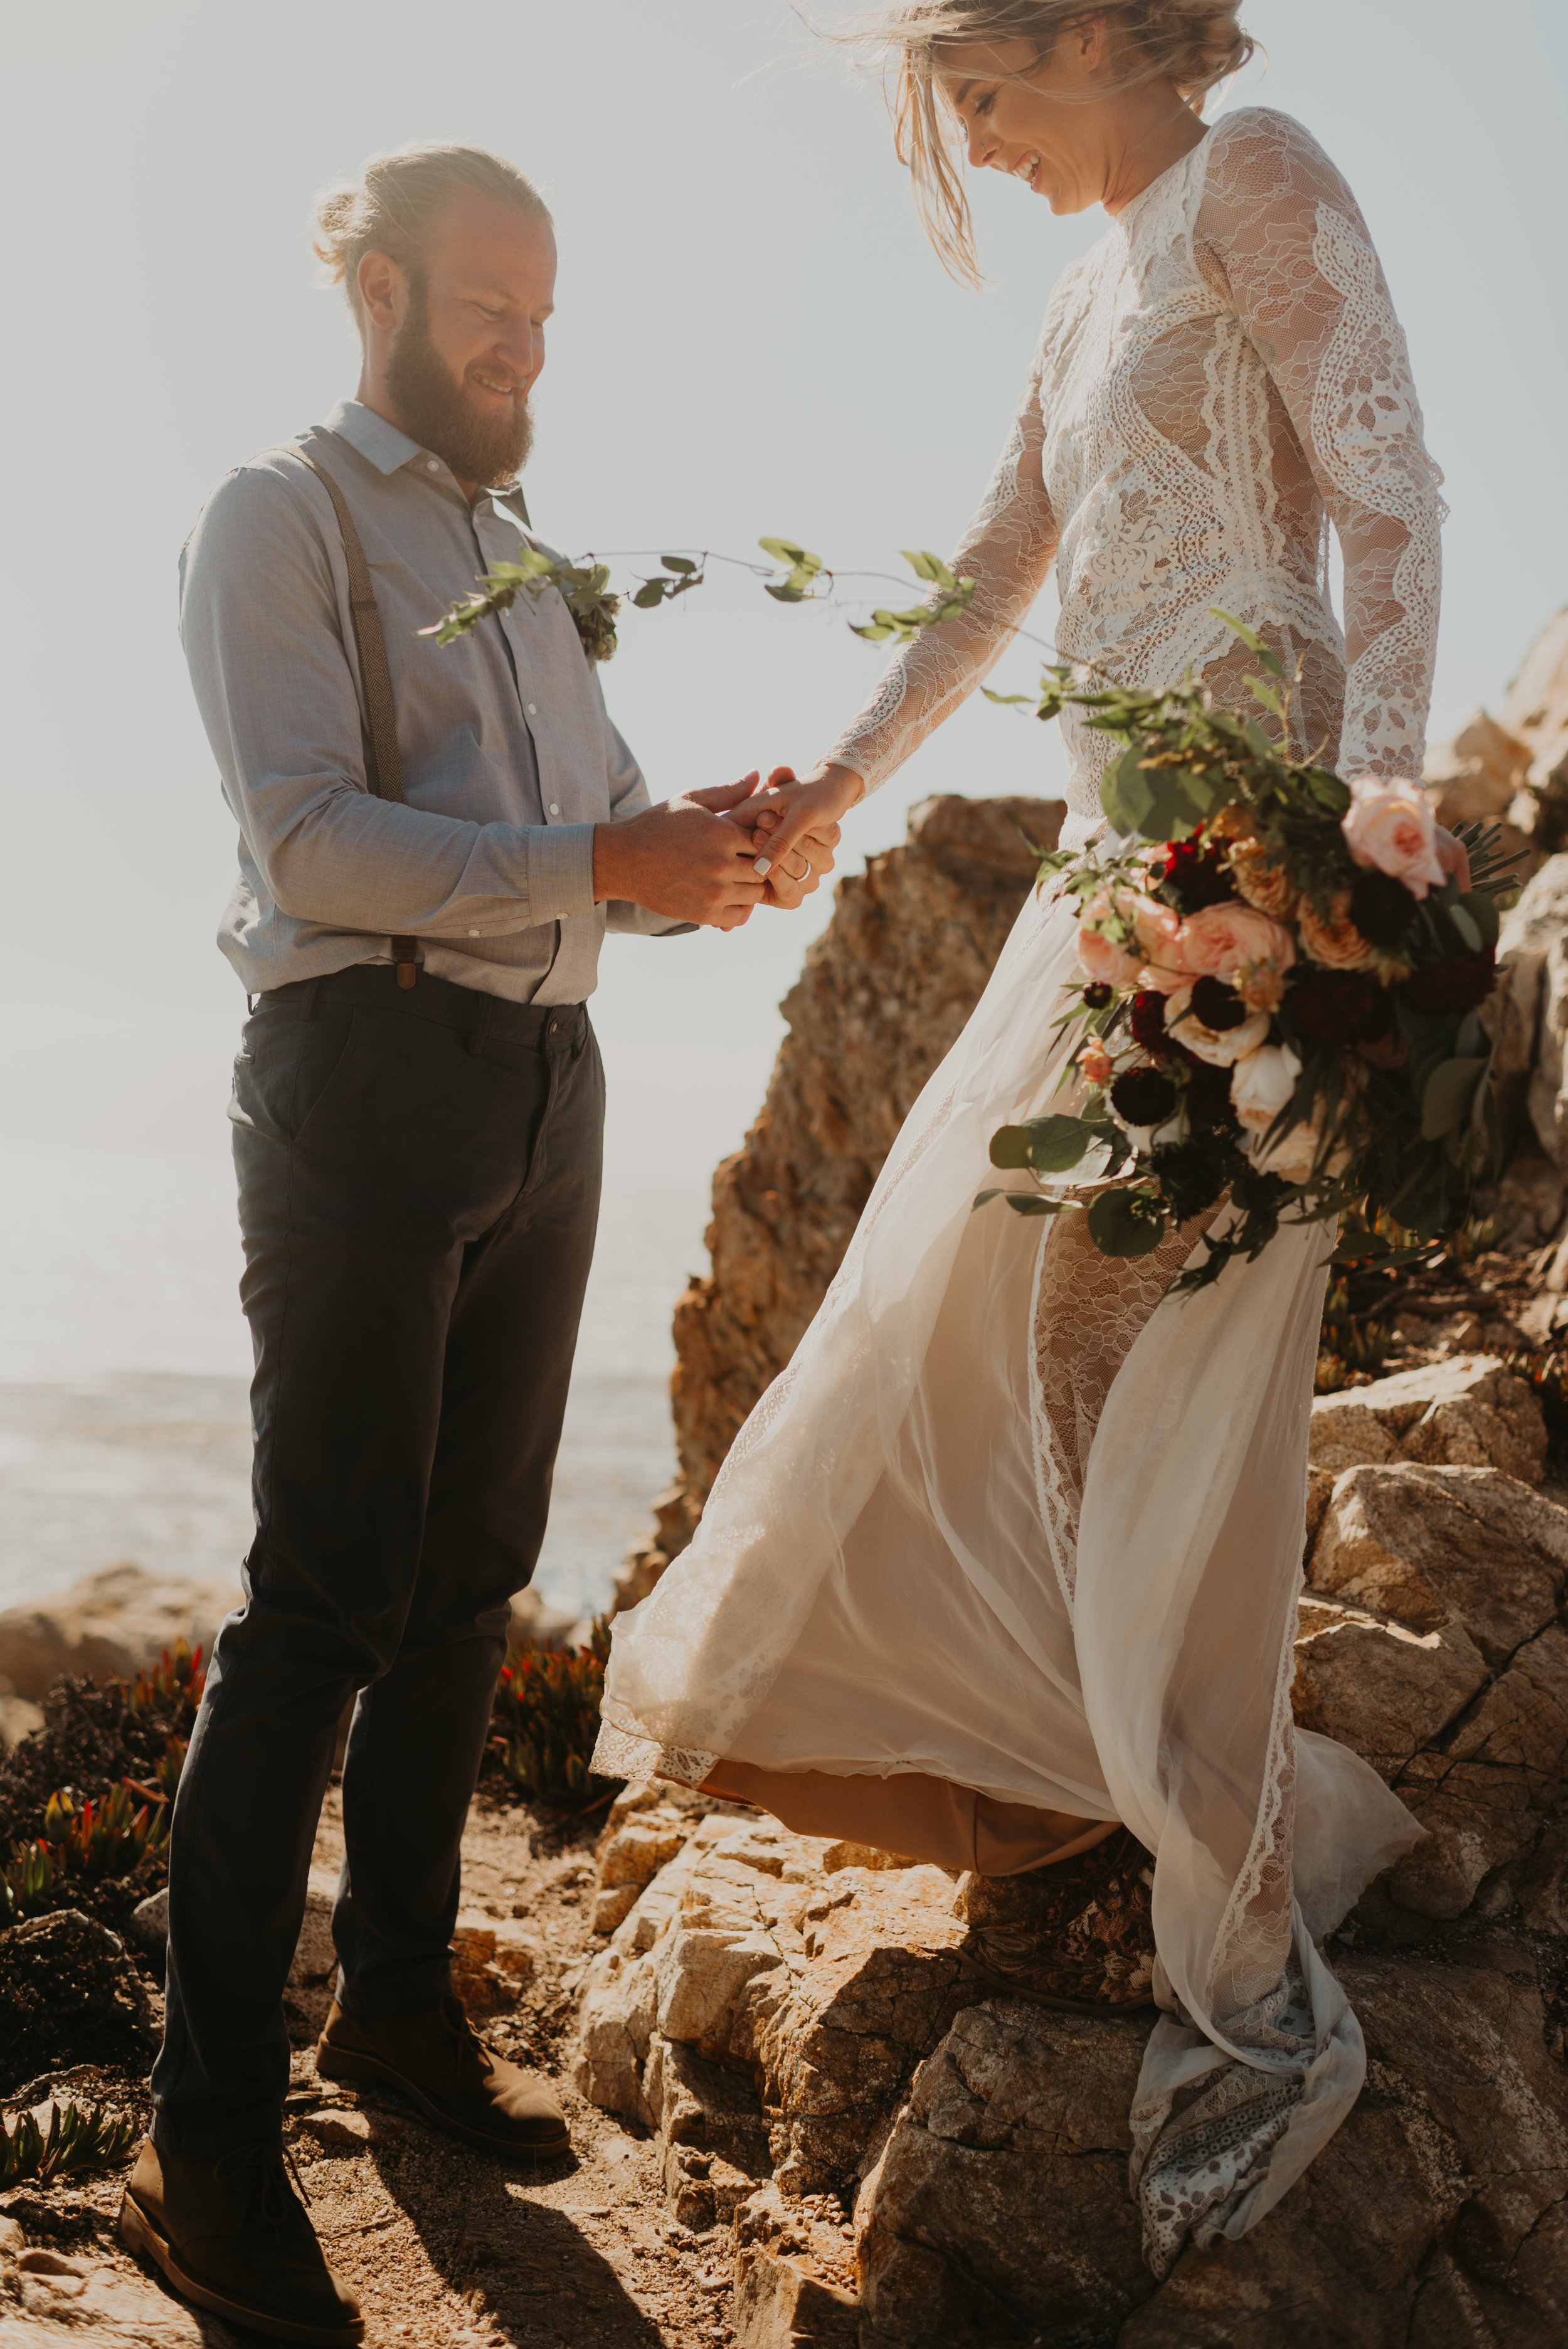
pixel 470 342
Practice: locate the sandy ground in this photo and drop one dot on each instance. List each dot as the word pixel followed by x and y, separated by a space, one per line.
pixel 442 2245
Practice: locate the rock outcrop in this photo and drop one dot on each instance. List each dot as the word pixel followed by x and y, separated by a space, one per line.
pixel 1513 768
pixel 885 990
pixel 109 1625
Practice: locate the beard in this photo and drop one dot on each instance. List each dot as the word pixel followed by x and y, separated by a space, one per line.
pixel 434 408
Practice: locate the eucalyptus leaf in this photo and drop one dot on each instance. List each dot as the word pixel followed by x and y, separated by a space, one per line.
pixel 1462 919
pixel 1447 1095
pixel 1126 1223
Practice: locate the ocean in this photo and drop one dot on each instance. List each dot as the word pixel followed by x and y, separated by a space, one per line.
pixel 124 1359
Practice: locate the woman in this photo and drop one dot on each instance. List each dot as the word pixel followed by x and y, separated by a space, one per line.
pixel 1006 1563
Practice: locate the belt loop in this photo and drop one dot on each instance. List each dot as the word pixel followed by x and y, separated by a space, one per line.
pixel 478 1032
pixel 307 1001
pixel 250 1004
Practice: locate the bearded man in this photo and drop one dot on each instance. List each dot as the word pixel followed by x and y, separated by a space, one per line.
pixel 432 845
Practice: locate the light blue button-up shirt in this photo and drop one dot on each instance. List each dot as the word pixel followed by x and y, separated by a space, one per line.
pixel 508 755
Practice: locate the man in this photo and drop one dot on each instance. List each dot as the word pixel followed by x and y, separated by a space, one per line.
pixel 432 843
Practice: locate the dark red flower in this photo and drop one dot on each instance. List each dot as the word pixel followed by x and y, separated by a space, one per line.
pixel 1209 1092
pixel 1147 1020
pixel 1218 1006
pixel 1195 876
pixel 1144 1096
pixel 1455 986
pixel 1341 1007
pixel 1381 908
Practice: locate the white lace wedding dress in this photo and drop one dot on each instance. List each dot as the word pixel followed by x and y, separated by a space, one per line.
pixel 1008 1519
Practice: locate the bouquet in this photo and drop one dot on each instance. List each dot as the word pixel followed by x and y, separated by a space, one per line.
pixel 1281 976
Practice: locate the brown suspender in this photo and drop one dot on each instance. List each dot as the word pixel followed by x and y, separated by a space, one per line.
pixel 383 765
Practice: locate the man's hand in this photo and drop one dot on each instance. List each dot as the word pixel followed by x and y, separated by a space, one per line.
pixel 683 860
pixel 793 875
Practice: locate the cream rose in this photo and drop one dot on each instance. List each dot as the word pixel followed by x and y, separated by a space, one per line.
pixel 1390 826
pixel 1262 1084
pixel 1222 1046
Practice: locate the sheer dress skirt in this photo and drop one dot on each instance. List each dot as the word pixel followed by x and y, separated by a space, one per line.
pixel 1021 1531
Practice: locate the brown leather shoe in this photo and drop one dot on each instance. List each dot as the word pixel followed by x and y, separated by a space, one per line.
pixel 438 2061
pixel 233 2237
pixel 1078 1935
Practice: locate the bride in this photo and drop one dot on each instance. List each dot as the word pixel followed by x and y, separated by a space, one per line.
pixel 1002 1571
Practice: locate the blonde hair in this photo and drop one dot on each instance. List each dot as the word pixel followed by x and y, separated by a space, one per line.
pixel 392 204
pixel 1196 44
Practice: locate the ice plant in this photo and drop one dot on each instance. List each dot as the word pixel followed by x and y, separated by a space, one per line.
pixel 547 1719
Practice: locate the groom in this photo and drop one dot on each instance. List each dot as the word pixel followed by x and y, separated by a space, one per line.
pixel 432 845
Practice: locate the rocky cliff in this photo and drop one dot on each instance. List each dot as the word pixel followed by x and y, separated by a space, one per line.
pixel 883 993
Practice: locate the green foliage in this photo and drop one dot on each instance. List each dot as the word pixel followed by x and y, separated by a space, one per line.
pixel 81 2138
pixel 804 570
pixel 546 1720
pixel 1351 1340
pixel 583 588
pixel 951 596
pixel 685 574
pixel 1127 1223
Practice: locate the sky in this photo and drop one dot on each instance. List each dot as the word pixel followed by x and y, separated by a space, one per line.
pixel 751 338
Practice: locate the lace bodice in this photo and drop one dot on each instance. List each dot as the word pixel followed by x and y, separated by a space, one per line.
pixel 1217 380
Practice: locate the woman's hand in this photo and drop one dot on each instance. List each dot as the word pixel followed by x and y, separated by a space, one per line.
pixel 798 810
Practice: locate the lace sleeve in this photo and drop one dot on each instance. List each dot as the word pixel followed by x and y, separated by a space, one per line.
pixel 1006 550
pixel 1287 235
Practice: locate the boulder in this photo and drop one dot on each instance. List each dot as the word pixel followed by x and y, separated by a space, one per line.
pixel 1436 2216
pixel 1467 1412
pixel 1485 1793
pixel 114 1623
pixel 69 1993
pixel 999 2206
pixel 1547 1098
pixel 1513 1013
pixel 1377 1686
pixel 1428 1546
pixel 885 991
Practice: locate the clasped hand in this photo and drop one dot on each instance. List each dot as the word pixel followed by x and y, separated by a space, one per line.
pixel 711 857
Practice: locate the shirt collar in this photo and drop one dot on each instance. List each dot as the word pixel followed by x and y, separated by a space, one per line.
pixel 388 449
pixel 380 444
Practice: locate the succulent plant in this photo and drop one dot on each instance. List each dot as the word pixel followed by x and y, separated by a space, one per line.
pixel 81 2138
pixel 546 1720
pixel 171 1685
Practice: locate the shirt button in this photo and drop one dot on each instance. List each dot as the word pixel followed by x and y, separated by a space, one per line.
pixel 473 934
pixel 432 465
pixel 554 808
pixel 533 708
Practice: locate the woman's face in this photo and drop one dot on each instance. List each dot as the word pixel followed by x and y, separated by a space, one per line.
pixel 1052 122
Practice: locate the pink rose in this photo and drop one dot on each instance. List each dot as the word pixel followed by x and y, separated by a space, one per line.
pixel 1390 826
pixel 1101 958
pixel 1232 941
pixel 1095 1062
pixel 1160 930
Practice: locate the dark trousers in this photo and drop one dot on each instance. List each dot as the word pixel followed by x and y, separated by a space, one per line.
pixel 419 1175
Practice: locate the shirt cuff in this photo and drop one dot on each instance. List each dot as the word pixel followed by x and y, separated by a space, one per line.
pixel 560 871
